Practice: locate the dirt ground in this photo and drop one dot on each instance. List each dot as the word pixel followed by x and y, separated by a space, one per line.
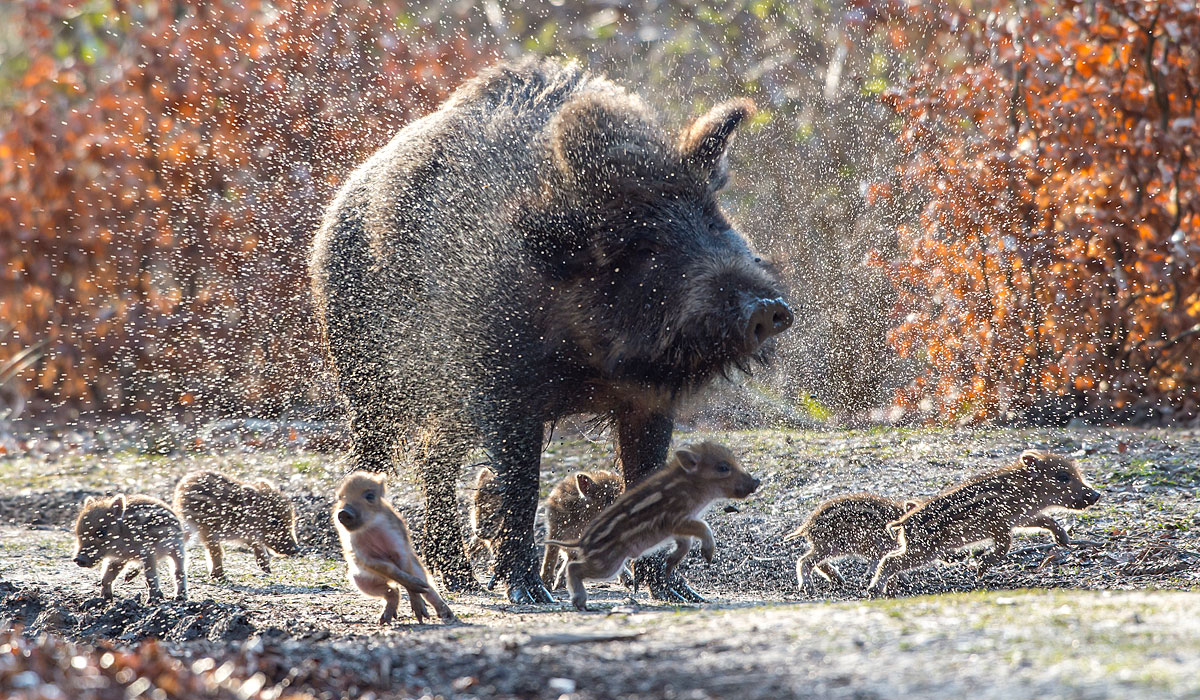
pixel 1115 617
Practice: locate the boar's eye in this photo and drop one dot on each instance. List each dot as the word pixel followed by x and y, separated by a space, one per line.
pixel 369 496
pixel 722 468
pixel 1062 477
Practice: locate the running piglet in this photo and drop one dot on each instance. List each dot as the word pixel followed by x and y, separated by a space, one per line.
pixel 666 505
pixel 136 529
pixel 987 507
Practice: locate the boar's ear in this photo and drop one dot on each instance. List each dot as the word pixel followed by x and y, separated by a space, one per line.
pixel 1031 457
pixel 688 460
pixel 911 504
pixel 118 505
pixel 585 484
pixel 600 137
pixel 264 485
pixel 87 502
pixel 704 142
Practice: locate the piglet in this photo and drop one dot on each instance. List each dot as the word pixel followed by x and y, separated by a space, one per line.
pixel 666 505
pixel 987 507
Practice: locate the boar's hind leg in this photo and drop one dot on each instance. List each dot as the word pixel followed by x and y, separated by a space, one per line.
pixel 643 439
pixel 440 461
pixel 516 456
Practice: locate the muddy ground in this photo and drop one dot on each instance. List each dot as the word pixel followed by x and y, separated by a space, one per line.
pixel 1117 616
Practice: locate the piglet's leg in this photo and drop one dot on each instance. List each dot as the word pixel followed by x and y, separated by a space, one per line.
pixel 1048 523
pixel 110 573
pixel 700 530
pixel 1002 540
pixel 830 572
pixel 683 545
pixel 389 570
pixel 154 591
pixel 575 574
pixel 391 596
pixel 418 606
pixel 263 557
pixel 439 605
pixel 179 562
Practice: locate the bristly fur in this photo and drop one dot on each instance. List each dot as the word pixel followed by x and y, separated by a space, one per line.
pixel 987 507
pixel 540 246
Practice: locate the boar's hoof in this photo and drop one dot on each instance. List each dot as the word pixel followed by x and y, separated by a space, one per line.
pixel 528 589
pixel 668 589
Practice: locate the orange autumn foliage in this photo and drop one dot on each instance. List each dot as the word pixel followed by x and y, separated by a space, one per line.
pixel 1057 146
pixel 163 165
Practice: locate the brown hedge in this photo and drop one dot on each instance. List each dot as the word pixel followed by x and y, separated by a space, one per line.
pixel 163 165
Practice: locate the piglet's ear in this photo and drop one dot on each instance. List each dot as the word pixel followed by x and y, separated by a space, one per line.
pixel 687 459
pixel 585 484
pixel 1030 457
pixel 911 505
pixel 88 501
pixel 118 505
pixel 263 485
pixel 705 141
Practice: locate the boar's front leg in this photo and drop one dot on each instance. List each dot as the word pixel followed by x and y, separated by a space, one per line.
pixel 516 458
pixel 643 439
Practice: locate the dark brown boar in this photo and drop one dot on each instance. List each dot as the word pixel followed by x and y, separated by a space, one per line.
pixel 854 525
pixel 574 502
pixel 219 508
pixel 118 531
pixel 666 505
pixel 537 247
pixel 378 551
pixel 987 507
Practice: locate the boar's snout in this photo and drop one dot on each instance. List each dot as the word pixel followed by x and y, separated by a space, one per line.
pixel 768 317
pixel 348 517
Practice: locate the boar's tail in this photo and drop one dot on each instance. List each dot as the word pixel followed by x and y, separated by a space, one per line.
pixel 565 545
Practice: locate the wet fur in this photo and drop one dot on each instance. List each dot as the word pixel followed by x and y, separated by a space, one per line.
pixel 517 256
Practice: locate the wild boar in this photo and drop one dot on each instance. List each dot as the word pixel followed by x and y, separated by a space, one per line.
pixel 120 530
pixel 987 507
pixel 854 525
pixel 574 502
pixel 219 508
pixel 539 246
pixel 666 505
pixel 378 551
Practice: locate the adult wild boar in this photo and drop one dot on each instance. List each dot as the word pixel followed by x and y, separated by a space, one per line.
pixel 538 246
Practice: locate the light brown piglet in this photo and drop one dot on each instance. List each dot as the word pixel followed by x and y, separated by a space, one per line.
pixel 117 531
pixel 987 507
pixel 379 551
pixel 219 508
pixel 854 525
pixel 573 503
pixel 666 505
pixel 485 516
